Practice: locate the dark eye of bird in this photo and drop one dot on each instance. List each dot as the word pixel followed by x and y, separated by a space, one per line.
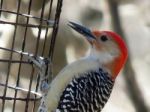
pixel 104 38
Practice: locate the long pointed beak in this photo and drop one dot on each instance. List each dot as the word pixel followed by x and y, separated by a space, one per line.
pixel 82 30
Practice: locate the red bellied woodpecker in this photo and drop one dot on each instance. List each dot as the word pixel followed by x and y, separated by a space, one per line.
pixel 85 85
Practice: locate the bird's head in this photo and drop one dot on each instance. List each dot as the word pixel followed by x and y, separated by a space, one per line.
pixel 107 47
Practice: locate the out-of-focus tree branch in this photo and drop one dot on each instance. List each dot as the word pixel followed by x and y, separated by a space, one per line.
pixel 129 74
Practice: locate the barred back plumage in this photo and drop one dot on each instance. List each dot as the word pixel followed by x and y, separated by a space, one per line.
pixel 87 93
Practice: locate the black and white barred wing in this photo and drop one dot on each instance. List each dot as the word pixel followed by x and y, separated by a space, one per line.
pixel 87 93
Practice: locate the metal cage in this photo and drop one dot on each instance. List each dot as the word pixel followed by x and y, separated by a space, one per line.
pixel 24 56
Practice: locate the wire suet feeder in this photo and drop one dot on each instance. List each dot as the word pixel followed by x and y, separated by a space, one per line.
pixel 40 72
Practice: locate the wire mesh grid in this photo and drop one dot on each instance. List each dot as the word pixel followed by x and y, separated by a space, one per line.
pixel 23 54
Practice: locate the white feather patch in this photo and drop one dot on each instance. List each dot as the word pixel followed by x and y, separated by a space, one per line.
pixel 65 76
pixel 93 61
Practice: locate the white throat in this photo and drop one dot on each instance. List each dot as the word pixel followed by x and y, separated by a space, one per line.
pixel 103 57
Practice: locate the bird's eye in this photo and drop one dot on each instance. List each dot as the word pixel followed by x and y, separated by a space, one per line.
pixel 104 38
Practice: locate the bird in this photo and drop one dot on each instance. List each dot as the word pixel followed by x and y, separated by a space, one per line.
pixel 86 84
